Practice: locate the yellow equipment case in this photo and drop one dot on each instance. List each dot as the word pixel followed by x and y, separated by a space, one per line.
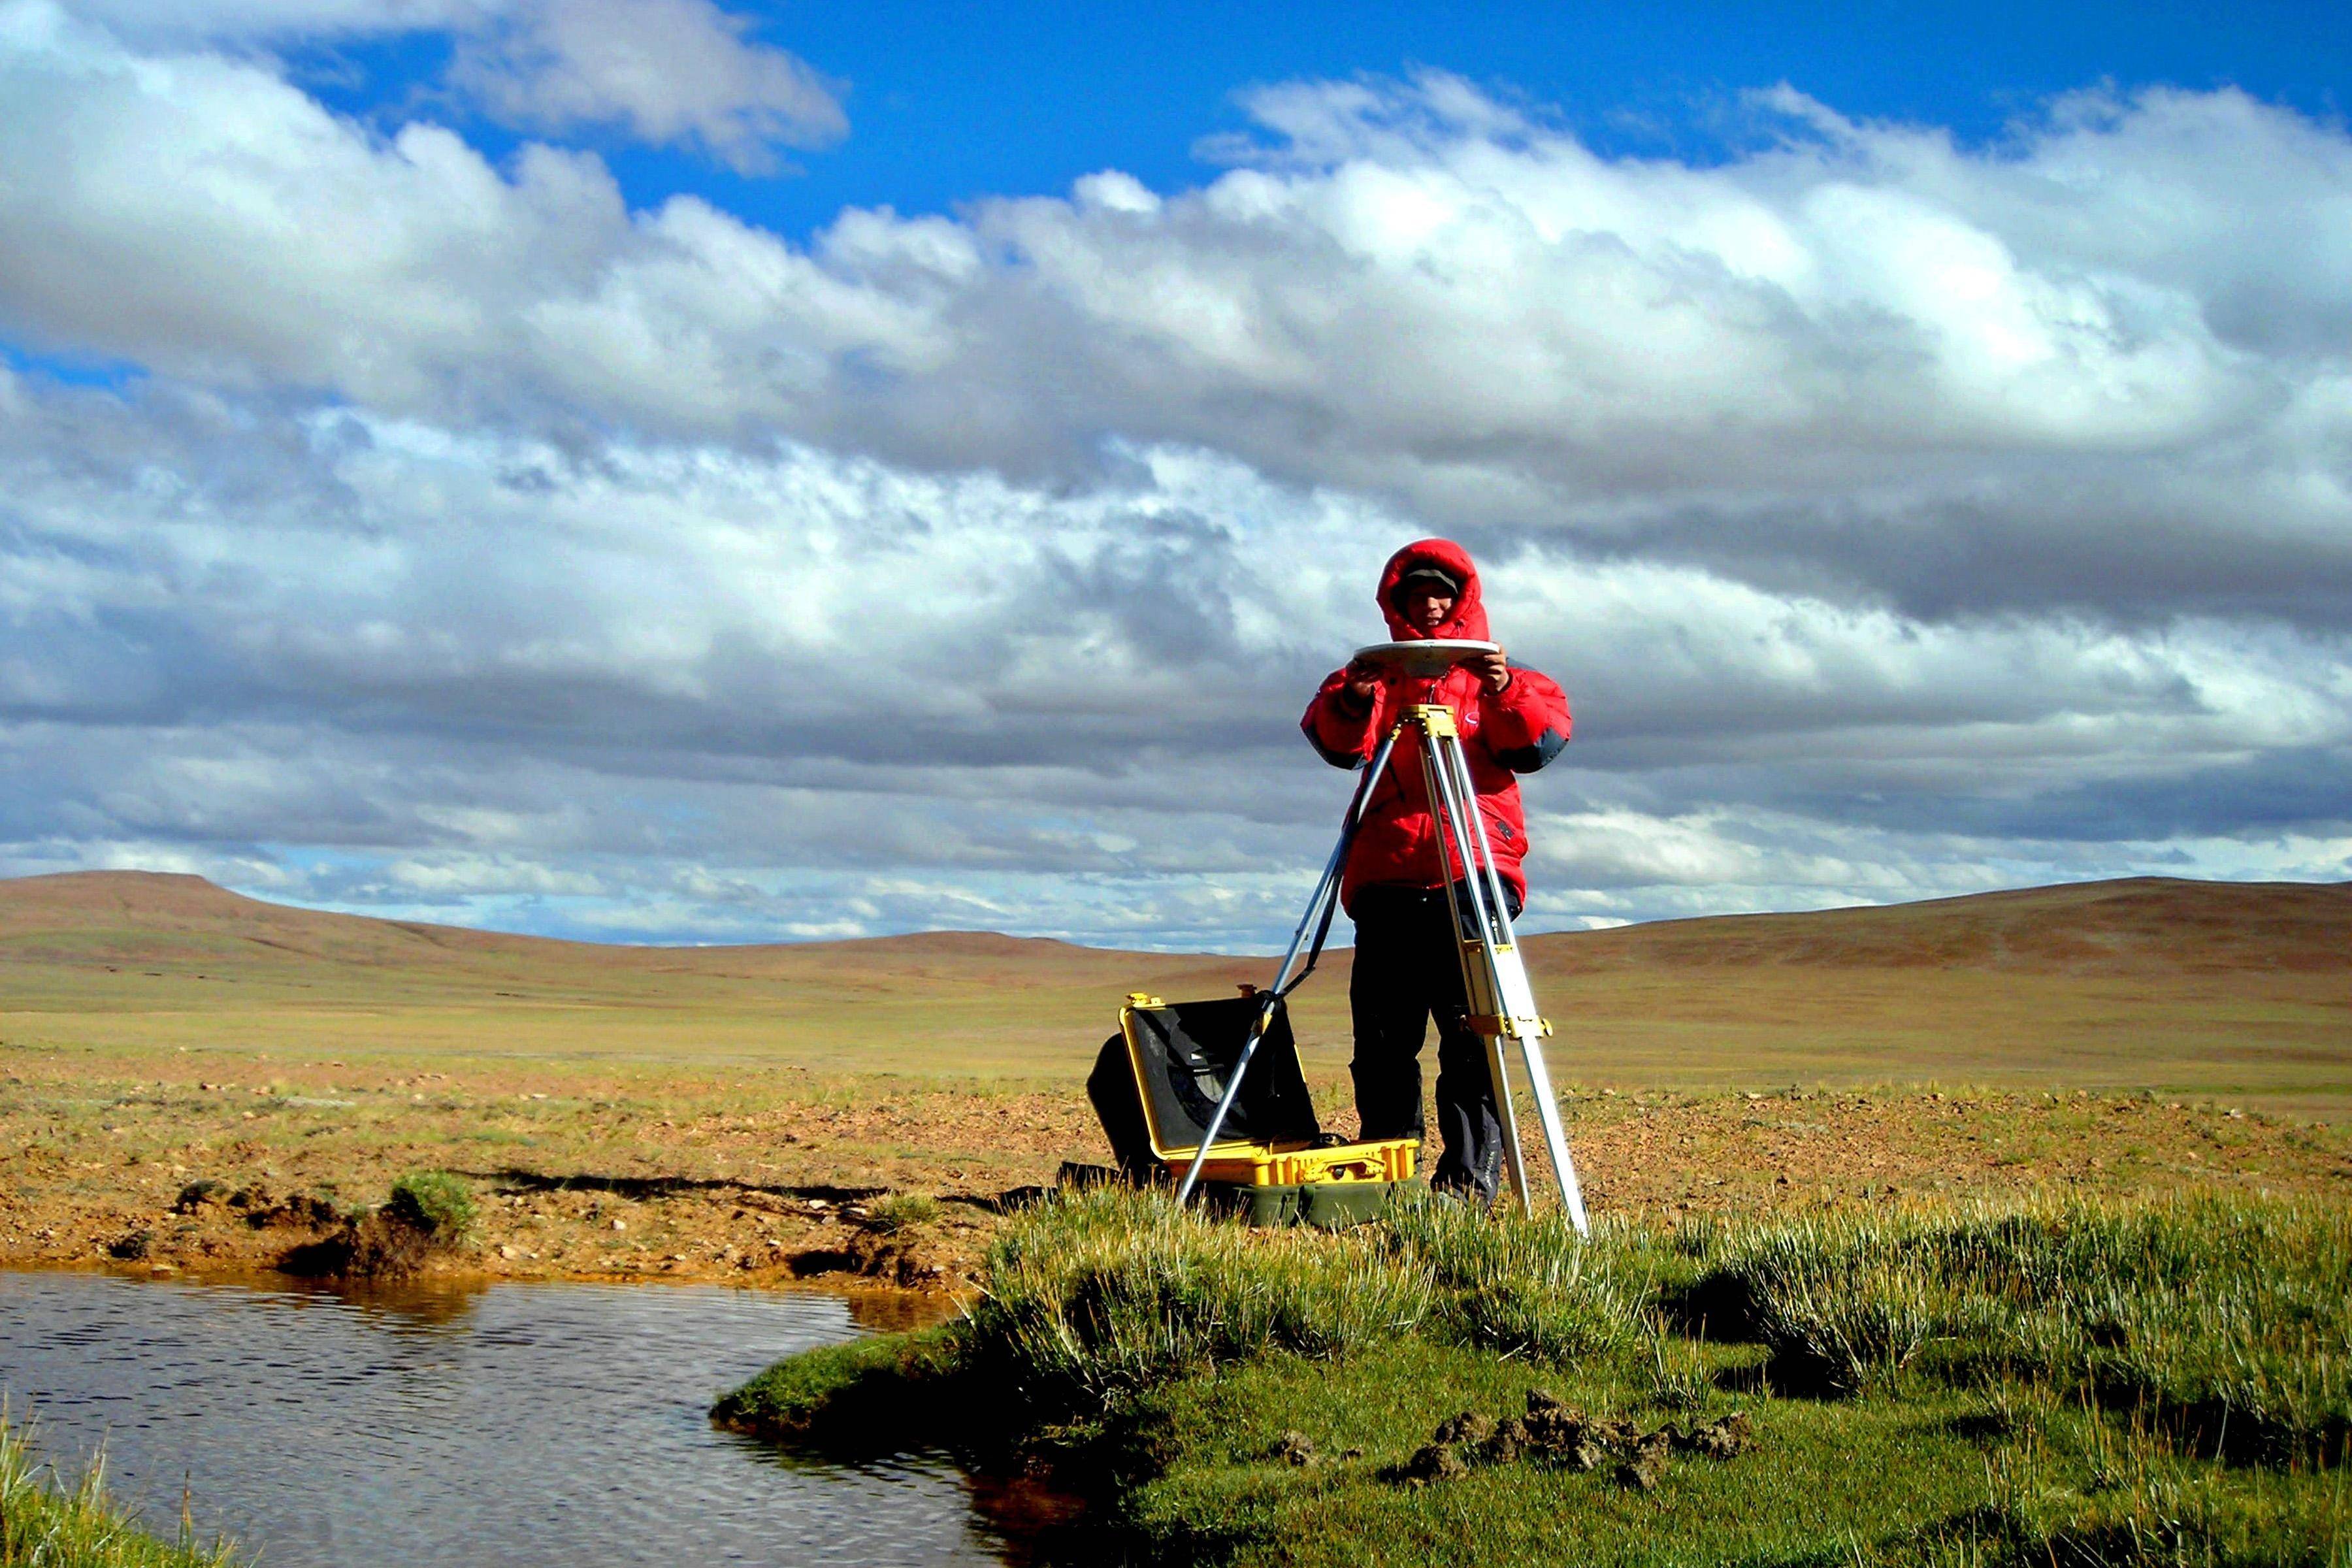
pixel 1157 1082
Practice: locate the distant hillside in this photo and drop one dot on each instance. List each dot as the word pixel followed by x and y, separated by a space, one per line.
pixel 2204 986
pixel 2144 924
pixel 146 918
pixel 2140 925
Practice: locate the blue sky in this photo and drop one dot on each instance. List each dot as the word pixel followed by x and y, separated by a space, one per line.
pixel 950 101
pixel 659 469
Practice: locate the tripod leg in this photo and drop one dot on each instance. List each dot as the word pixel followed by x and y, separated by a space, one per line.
pixel 1474 935
pixel 1494 973
pixel 1328 887
pixel 1563 1165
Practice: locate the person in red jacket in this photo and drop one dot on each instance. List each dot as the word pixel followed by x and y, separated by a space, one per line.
pixel 1395 886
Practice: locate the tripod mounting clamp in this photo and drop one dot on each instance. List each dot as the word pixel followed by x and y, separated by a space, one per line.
pixel 1511 1027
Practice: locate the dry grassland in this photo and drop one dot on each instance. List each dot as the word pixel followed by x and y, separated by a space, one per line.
pixel 737 1111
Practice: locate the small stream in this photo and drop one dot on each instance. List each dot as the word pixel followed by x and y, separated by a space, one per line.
pixel 512 1424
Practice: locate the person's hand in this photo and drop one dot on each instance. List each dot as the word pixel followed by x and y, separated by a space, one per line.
pixel 1363 680
pixel 1491 668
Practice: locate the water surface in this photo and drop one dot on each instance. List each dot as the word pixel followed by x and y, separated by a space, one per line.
pixel 519 1424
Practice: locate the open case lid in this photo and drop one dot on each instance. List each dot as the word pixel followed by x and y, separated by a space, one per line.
pixel 1184 1053
pixel 1424 658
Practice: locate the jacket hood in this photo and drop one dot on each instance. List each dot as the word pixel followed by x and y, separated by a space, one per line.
pixel 1469 618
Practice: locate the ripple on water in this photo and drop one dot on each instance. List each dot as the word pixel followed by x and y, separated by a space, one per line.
pixel 519 1424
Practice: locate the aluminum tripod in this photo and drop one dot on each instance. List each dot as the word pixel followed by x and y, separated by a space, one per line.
pixel 1502 1003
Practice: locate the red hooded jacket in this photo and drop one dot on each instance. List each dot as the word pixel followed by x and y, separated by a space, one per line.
pixel 1504 733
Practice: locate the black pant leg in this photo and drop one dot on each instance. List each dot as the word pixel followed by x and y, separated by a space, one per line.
pixel 1388 1000
pixel 1469 1118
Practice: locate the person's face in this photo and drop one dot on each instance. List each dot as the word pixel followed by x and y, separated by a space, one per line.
pixel 1427 606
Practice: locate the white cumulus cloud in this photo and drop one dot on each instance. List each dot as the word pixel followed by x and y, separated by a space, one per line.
pixel 1902 517
pixel 669 72
pixel 665 72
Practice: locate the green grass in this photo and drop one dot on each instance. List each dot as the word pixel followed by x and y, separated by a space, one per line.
pixel 435 1203
pixel 2048 1382
pixel 46 1523
pixel 1116 1291
pixel 868 1394
pixel 2230 1322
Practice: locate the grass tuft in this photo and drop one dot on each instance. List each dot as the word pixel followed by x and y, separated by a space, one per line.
pixel 45 1523
pixel 1103 1293
pixel 435 1202
pixel 1521 1285
pixel 859 1395
pixel 896 1211
pixel 2224 1319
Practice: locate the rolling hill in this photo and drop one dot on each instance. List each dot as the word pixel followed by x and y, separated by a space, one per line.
pixel 2146 925
pixel 2142 925
pixel 2164 983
